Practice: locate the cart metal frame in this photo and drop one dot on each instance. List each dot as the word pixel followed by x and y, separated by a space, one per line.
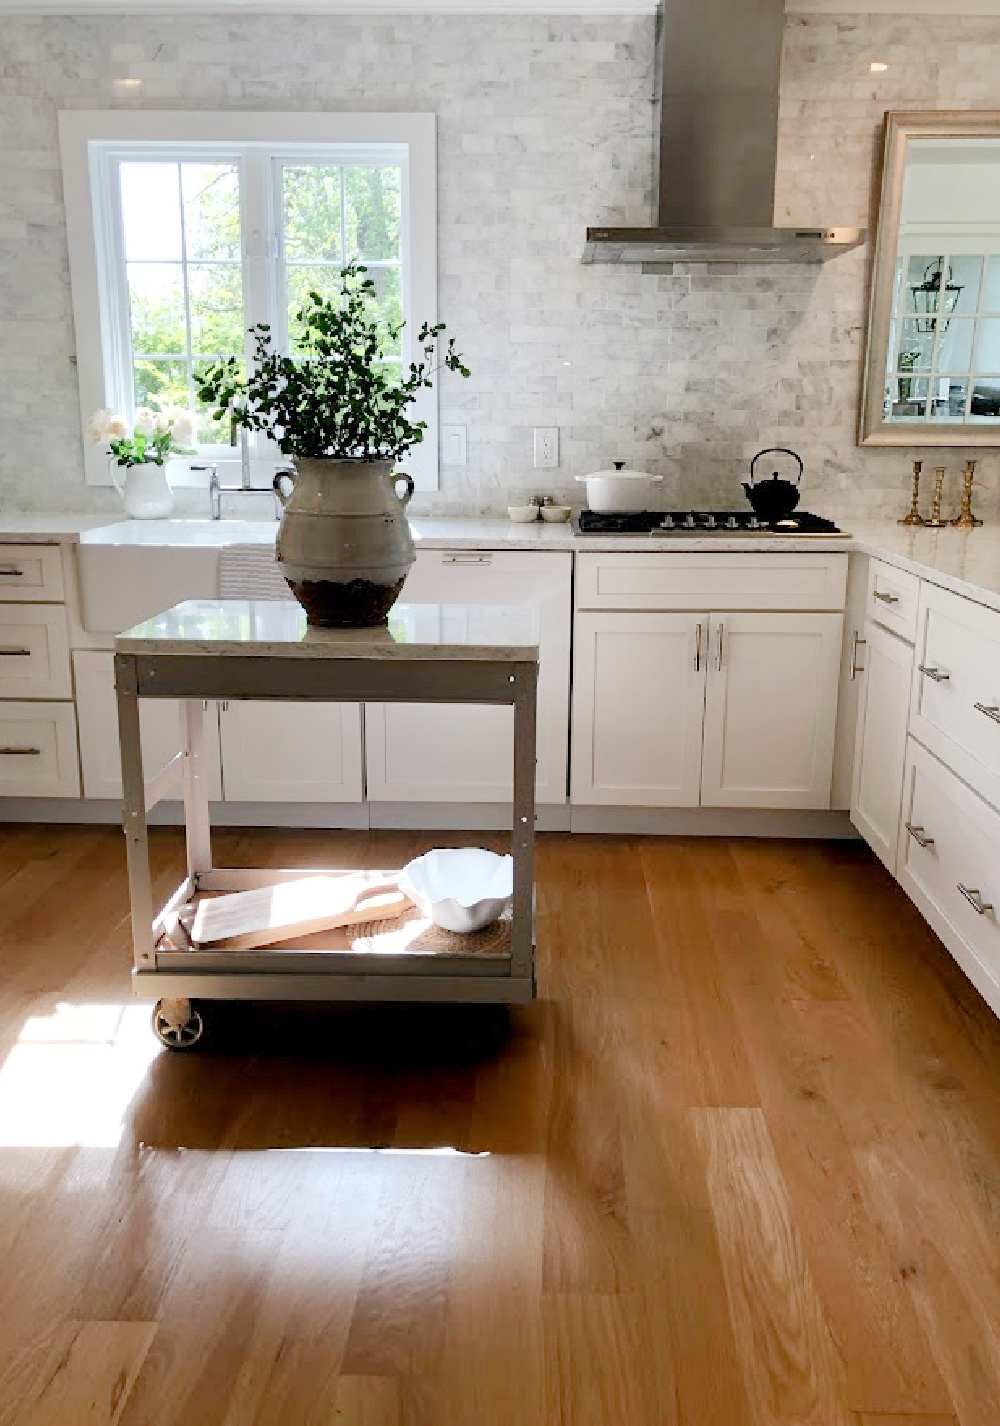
pixel 461 674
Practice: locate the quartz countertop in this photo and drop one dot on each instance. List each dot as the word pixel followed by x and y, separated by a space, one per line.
pixel 967 562
pixel 278 629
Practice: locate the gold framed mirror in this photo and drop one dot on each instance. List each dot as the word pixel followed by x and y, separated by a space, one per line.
pixel 932 372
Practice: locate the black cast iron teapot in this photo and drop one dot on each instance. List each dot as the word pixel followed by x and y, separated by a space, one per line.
pixel 773 499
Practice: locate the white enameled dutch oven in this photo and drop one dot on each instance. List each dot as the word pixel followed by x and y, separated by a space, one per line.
pixel 613 492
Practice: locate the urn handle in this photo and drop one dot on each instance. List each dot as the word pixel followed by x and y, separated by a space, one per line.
pixel 404 499
pixel 278 487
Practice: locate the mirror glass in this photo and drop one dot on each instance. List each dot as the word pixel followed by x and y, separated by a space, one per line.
pixel 934 367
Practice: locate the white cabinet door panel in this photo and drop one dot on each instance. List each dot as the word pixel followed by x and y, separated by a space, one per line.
pixel 462 753
pixel 881 742
pixel 291 752
pixel 159 720
pixel 771 710
pixel 638 708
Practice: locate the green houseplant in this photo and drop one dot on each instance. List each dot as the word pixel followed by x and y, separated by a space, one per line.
pixel 341 411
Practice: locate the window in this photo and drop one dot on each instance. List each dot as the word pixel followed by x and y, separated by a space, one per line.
pixel 179 244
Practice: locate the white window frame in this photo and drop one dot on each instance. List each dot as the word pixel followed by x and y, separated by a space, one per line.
pixel 93 141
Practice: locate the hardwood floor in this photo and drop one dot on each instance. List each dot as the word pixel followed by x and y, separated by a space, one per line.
pixel 740 1164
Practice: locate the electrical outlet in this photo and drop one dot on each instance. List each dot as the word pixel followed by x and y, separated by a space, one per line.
pixel 454 445
pixel 546 447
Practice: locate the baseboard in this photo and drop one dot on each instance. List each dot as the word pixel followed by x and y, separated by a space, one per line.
pixel 450 817
pixel 712 822
pixel 461 816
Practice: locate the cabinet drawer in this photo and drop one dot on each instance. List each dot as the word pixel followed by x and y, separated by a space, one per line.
pixel 893 595
pixel 38 755
pixel 32 573
pixel 955 878
pixel 711 581
pixel 34 652
pixel 955 695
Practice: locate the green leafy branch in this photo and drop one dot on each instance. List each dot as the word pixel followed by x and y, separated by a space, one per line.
pixel 339 398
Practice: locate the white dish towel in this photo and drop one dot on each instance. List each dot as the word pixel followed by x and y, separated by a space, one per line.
pixel 251 572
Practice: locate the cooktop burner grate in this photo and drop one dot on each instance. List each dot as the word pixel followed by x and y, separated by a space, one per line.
pixel 701 522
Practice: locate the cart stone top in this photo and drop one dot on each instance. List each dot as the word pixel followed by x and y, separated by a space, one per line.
pixel 487 633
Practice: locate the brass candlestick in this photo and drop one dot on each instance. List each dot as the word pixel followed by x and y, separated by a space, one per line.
pixel 966 520
pixel 935 522
pixel 914 517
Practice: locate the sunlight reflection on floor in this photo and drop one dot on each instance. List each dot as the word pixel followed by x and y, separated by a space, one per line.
pixel 71 1076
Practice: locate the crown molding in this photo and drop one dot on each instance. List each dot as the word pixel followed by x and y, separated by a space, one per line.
pixel 893 7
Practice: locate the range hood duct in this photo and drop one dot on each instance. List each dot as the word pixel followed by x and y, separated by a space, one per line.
pixel 718 84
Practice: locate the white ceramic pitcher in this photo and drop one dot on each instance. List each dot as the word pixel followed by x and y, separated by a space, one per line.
pixel 146 492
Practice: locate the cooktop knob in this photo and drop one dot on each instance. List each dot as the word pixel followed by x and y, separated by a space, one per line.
pixel 689 522
pixel 667 523
pixel 754 523
pixel 710 522
pixel 731 523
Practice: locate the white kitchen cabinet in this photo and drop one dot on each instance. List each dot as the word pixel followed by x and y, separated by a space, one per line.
pixel 291 752
pixel 880 750
pixel 97 715
pixel 38 750
pixel 638 709
pixel 949 865
pixel 458 753
pixel 771 710
pixel 34 651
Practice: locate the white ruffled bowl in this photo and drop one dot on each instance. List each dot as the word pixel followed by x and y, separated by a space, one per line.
pixel 462 889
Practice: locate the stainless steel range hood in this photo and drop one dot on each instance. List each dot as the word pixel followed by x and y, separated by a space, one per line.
pixel 718 81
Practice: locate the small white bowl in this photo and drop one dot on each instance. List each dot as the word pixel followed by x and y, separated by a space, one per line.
pixel 556 514
pixel 523 514
pixel 462 889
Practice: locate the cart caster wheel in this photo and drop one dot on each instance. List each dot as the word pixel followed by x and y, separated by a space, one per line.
pixel 177 1024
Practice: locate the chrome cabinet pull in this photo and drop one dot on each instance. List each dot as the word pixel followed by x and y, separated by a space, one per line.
pixel 20 752
pixel 11 571
pixel 466 559
pixel 992 710
pixel 697 648
pixel 934 673
pixel 718 652
pixel 859 643
pixel 15 653
pixel 974 897
pixel 886 598
pixel 918 835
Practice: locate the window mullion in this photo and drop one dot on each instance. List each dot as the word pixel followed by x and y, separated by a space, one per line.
pixel 188 350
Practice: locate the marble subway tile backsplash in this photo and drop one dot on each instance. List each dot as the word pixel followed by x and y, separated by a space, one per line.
pixel 545 126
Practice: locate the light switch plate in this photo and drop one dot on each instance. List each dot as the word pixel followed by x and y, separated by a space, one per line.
pixel 454 445
pixel 546 447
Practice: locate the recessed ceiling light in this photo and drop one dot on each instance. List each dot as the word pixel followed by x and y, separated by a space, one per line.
pixel 129 83
pixel 878 67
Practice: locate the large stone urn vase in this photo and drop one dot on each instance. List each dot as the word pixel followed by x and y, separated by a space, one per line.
pixel 344 541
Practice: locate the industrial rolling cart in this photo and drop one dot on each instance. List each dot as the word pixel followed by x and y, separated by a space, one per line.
pixel 238 649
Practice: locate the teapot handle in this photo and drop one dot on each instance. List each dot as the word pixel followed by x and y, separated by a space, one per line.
pixel 279 488
pixel 405 498
pixel 777 451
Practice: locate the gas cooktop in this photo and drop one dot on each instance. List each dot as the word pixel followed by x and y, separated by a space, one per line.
pixel 701 522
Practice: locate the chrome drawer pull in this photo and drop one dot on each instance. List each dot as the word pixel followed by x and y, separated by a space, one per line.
pixel 466 559
pixel 15 653
pixel 975 900
pixel 991 710
pixel 859 643
pixel 917 833
pixel 11 571
pixel 718 652
pixel 697 648
pixel 934 673
pixel 886 598
pixel 20 752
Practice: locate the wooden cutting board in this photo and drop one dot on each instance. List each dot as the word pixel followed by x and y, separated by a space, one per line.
pixel 242 920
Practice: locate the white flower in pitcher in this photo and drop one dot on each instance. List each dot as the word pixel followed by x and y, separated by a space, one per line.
pixel 161 423
pixel 99 423
pixel 144 421
pixel 117 427
pixel 182 427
